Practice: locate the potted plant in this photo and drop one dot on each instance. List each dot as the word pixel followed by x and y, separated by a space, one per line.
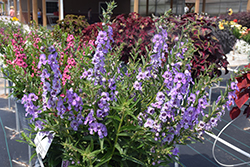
pixel 99 113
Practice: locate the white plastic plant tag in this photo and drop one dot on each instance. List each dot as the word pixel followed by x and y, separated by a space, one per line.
pixel 42 144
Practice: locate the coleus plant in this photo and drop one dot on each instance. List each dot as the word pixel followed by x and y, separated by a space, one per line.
pixel 208 48
pixel 71 24
pixel 127 31
pixel 242 93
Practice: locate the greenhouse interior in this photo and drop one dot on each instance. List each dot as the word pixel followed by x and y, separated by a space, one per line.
pixel 124 83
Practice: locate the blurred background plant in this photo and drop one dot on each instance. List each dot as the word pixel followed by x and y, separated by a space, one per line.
pixel 71 24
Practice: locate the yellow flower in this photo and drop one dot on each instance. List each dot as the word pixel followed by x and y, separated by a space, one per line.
pixel 244 28
pixel 230 12
pixel 221 26
pixel 14 19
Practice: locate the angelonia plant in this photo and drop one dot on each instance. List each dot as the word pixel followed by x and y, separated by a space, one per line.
pixel 111 114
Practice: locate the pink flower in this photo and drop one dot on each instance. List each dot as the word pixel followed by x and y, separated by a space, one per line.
pixel 70 38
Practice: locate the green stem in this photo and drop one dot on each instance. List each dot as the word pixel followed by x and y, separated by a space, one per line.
pixel 155 95
pixel 118 131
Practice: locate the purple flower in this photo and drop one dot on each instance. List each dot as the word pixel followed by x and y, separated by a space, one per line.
pixel 52 59
pixel 46 86
pixel 137 85
pixel 175 151
pixel 157 104
pixel 39 125
pixel 99 128
pixel 157 39
pixel 163 116
pixel 60 108
pixel 51 103
pixel 168 76
pixel 147 74
pixel 42 61
pixel 24 99
pixel 90 117
pixel 45 74
pixel 140 76
pixel 32 97
pixel 234 86
pixel 102 36
pixel 178 55
pixel 180 78
pixel 202 102
pixel 191 98
pixel 168 139
pixel 105 97
pixel 149 123
pixel 151 110
pixel 51 49
pixel 74 125
pixel 201 124
pixel 101 113
pixel 160 96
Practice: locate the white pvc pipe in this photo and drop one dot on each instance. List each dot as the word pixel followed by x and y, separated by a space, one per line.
pixel 229 145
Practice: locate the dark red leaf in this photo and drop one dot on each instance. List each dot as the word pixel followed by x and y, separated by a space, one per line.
pixel 234 113
pixel 242 99
pixel 242 84
pixel 248 76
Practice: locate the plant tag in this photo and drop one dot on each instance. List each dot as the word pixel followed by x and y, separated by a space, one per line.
pixel 42 144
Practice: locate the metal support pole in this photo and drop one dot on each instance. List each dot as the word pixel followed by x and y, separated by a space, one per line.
pixel 183 6
pixel 4 87
pixel 176 7
pixel 17 119
pixel 219 6
pixel 240 6
pixel 9 98
pixel 175 163
pixel 155 6
pixel 139 6
pixel 29 151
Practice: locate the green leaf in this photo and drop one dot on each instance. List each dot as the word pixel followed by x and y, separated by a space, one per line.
pixel 101 143
pixel 105 158
pixel 118 147
pixel 129 127
pixel 133 159
pixel 125 134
